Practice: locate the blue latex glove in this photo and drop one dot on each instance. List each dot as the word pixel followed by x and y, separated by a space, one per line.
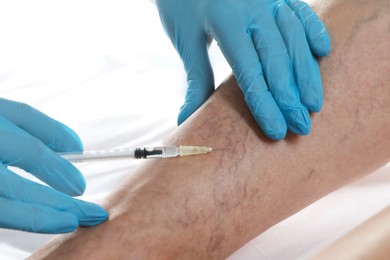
pixel 28 139
pixel 269 45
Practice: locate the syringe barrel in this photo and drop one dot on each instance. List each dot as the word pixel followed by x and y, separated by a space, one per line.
pixel 99 155
pixel 135 153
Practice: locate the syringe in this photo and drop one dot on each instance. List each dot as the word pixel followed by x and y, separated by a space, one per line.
pixel 136 153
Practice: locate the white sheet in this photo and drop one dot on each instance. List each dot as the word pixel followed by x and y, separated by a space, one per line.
pixel 106 69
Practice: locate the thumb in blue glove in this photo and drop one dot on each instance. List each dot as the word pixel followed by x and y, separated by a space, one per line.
pixel 29 140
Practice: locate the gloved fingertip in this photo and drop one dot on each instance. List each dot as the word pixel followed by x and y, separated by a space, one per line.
pixel 319 39
pixel 276 131
pixel 276 136
pixel 93 214
pixel 322 45
pixel 197 93
pixel 181 118
pixel 74 143
pixel 266 113
pixel 58 173
pixel 313 102
pixel 317 34
pixel 77 188
pixel 185 111
pixel 314 106
pixel 299 121
pixel 70 180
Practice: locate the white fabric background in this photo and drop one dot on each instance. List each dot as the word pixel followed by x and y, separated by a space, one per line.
pixel 107 70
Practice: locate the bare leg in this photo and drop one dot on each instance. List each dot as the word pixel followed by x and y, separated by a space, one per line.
pixel 371 240
pixel 200 207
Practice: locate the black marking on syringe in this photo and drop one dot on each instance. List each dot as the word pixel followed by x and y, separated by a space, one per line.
pixel 143 153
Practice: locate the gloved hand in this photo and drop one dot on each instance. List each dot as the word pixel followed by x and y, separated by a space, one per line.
pixel 28 139
pixel 269 45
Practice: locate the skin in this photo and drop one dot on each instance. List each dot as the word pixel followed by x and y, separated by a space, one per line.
pixel 371 240
pixel 200 207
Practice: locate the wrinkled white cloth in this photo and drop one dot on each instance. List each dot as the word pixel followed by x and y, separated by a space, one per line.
pixel 107 70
